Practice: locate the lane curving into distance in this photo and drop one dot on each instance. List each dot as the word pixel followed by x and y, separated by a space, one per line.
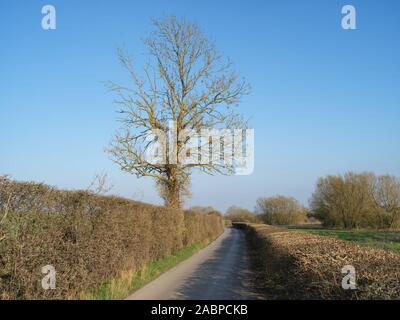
pixel 220 271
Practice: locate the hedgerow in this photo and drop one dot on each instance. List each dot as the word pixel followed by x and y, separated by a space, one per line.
pixel 87 238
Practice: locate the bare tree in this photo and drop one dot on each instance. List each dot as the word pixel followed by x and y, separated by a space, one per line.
pixel 344 201
pixel 387 197
pixel 186 81
pixel 280 210
pixel 357 200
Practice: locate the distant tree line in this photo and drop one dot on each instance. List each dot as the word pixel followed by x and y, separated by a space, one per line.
pixel 278 210
pixel 349 201
pixel 237 214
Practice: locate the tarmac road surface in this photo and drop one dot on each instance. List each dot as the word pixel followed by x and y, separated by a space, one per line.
pixel 218 272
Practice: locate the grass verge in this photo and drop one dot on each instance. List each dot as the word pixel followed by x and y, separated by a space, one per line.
pixel 130 281
pixel 378 239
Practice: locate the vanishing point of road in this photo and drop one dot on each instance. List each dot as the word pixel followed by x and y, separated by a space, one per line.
pixel 220 271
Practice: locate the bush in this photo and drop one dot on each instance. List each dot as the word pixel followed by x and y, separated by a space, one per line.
pixel 87 238
pixel 295 265
pixel 281 210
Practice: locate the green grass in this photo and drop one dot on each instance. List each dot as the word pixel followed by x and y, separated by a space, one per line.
pixel 379 239
pixel 130 281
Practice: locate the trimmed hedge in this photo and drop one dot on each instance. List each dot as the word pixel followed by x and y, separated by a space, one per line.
pixel 87 238
pixel 296 265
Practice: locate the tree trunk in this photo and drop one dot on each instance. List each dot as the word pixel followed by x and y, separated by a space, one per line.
pixel 173 190
pixel 172 198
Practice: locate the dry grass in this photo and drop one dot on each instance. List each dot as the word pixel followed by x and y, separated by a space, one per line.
pixel 296 265
pixel 130 281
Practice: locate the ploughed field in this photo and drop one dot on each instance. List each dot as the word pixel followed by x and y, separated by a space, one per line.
pixel 308 264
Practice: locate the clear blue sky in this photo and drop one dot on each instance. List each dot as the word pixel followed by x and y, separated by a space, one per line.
pixel 324 100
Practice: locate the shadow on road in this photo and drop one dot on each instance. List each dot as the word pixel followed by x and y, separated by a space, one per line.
pixel 226 276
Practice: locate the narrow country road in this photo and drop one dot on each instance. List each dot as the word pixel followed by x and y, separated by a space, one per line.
pixel 220 271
